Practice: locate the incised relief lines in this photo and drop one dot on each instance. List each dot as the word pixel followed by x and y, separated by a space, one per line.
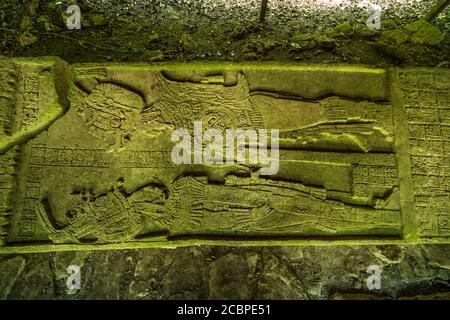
pixel 102 172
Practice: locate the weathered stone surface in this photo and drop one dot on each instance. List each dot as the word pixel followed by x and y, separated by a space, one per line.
pixel 423 32
pixel 301 272
pixel 10 269
pixel 36 280
pixel 230 276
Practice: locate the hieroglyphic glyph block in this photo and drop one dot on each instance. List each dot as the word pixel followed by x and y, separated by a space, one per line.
pixel 426 95
pixel 29 102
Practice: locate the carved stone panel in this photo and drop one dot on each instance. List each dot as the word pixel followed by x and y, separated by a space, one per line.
pixel 363 154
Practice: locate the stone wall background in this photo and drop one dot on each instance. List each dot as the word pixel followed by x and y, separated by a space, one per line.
pixel 216 272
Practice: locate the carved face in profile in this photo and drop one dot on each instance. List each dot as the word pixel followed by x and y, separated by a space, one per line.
pixel 111 113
